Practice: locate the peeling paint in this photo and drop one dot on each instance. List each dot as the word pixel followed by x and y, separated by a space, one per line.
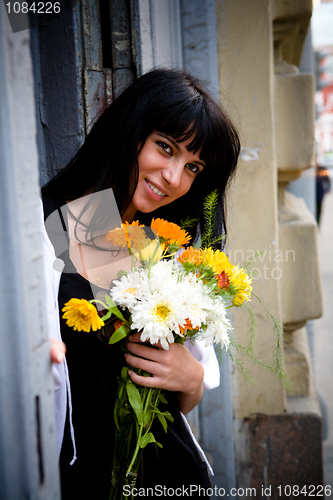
pixel 122 45
pixel 250 154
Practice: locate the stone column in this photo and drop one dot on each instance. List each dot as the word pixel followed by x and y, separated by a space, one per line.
pixel 259 48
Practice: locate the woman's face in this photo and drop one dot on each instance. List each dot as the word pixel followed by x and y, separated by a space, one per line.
pixel 166 172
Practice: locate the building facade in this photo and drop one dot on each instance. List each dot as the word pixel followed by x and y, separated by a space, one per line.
pixel 248 54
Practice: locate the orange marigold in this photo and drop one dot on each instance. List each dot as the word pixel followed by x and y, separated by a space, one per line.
pixel 127 235
pixel 118 323
pixel 170 232
pixel 192 256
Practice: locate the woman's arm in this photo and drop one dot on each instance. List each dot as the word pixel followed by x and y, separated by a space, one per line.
pixel 174 370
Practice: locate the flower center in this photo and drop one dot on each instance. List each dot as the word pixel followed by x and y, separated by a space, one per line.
pixel 131 290
pixel 161 312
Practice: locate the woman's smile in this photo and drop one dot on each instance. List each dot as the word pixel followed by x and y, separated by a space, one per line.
pixel 155 190
pixel 166 172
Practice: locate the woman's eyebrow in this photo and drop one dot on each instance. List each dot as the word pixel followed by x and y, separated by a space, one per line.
pixel 176 146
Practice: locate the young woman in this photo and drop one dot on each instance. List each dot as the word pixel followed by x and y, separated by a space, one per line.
pixel 160 148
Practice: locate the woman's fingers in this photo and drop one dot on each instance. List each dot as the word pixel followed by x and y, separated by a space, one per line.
pixel 143 364
pixel 58 351
pixel 136 337
pixel 148 352
pixel 155 382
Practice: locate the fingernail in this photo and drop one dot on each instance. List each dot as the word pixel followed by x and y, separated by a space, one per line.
pixel 129 372
pixel 125 355
pixel 60 357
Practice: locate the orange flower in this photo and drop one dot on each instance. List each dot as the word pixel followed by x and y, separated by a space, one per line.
pixel 127 235
pixel 187 326
pixel 192 256
pixel 223 280
pixel 170 232
pixel 118 323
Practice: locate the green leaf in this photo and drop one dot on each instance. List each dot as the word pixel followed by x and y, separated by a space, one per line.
pixel 147 417
pixel 120 274
pixel 168 416
pixel 135 400
pixel 148 438
pixel 162 399
pixel 119 334
pixel 107 316
pixel 117 313
pixel 161 418
pixel 123 375
pixel 109 301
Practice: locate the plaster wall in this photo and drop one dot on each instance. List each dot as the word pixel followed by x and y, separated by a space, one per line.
pixel 245 51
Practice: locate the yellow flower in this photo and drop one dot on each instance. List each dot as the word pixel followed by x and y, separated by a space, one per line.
pixel 217 260
pixel 170 232
pixel 241 283
pixel 149 252
pixel 82 315
pixel 192 256
pixel 126 235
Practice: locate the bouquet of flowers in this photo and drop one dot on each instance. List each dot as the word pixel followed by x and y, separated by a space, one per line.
pixel 171 294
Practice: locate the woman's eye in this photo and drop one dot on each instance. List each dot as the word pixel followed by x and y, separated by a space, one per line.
pixel 165 147
pixel 193 168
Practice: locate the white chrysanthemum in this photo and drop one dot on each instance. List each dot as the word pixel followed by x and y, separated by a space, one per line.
pixel 218 326
pixel 125 291
pixel 159 316
pixel 163 274
pixel 196 302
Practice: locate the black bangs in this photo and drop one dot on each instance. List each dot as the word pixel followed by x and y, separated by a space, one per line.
pixel 183 110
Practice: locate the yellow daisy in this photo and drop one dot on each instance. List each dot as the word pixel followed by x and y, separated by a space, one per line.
pixel 82 315
pixel 170 232
pixel 149 252
pixel 217 260
pixel 241 283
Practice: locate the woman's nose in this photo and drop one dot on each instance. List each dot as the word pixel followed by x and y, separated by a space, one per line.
pixel 173 174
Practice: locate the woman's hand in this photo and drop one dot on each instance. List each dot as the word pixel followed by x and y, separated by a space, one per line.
pixel 58 351
pixel 173 370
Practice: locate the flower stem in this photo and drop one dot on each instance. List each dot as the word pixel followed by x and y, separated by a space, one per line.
pixel 147 403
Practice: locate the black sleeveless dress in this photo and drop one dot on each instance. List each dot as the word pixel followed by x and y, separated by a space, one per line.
pixel 93 369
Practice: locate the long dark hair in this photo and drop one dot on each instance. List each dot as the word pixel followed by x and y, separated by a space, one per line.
pixel 163 100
